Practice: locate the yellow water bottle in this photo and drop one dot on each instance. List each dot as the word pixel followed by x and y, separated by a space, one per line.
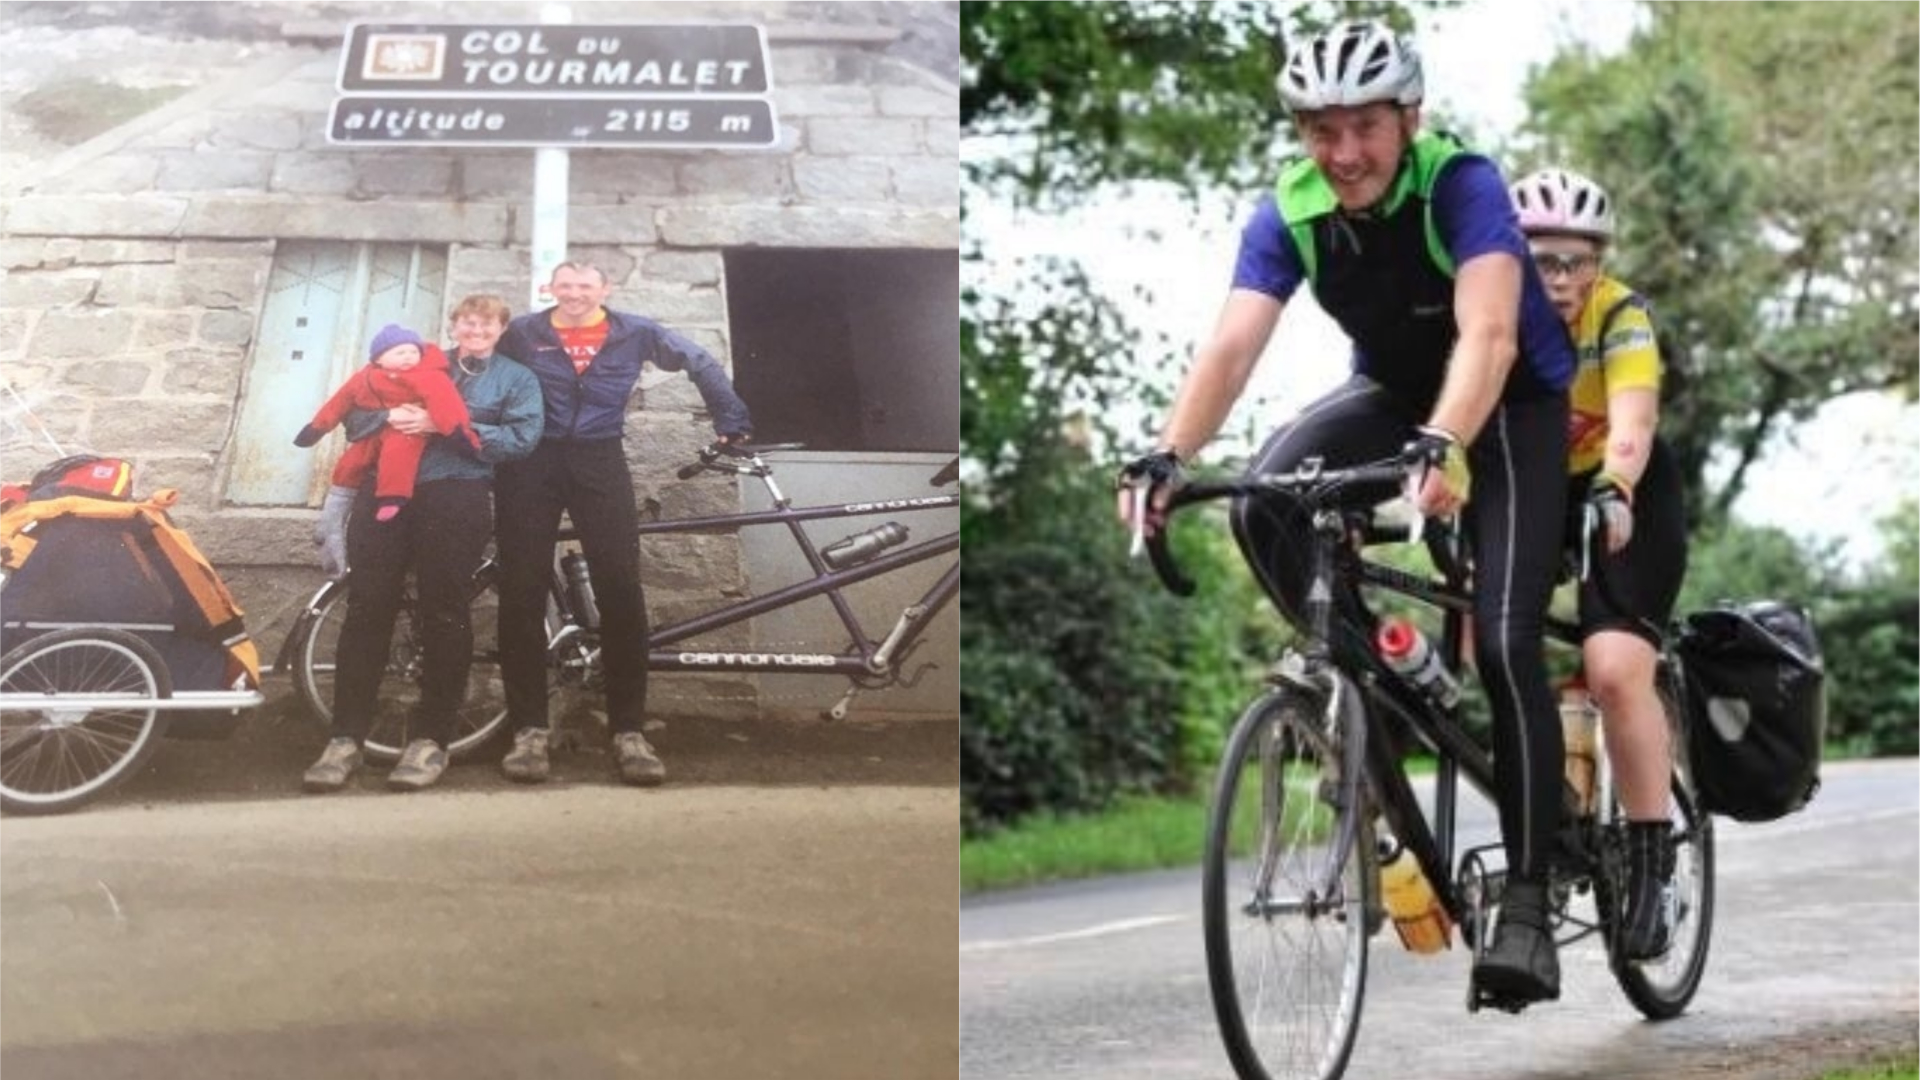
pixel 1578 719
pixel 1418 916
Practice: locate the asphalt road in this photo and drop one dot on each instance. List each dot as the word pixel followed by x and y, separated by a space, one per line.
pixel 1815 959
pixel 784 908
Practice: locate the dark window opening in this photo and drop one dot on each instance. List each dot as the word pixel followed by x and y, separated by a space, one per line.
pixel 847 349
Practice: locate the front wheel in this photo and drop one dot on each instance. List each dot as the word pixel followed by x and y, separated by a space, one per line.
pixel 481 714
pixel 1287 956
pixel 1662 988
pixel 57 751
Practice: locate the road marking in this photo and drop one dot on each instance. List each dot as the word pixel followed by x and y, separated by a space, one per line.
pixel 1100 930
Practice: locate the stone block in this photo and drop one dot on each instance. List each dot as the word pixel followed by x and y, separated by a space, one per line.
pixel 673 393
pixel 676 308
pixel 817 100
pixel 203 370
pixel 177 426
pixel 808 226
pixel 496 176
pixel 108 378
pixel 97 215
pixel 120 173
pixel 692 563
pixel 208 171
pixel 706 499
pixel 226 283
pixel 226 249
pixel 406 174
pixel 314 174
pixel 162 330
pixel 919 101
pixel 108 252
pixel 256 130
pixel 845 135
pixel 140 285
pixel 684 267
pixel 393 221
pixel 277 538
pixel 80 333
pixel 492 263
pixel 927 181
pixel 226 328
pixel 624 174
pixel 13 334
pixel 941 138
pixel 22 254
pixel 605 224
pixel 42 289
pixel 186 133
pixel 841 180
pixel 733 179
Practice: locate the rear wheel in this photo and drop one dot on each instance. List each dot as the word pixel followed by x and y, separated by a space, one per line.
pixel 480 716
pixel 1661 989
pixel 57 751
pixel 1287 957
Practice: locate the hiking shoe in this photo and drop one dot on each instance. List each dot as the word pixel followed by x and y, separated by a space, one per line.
pixel 1521 966
pixel 421 763
pixel 527 761
pixel 1646 925
pixel 340 760
pixel 639 765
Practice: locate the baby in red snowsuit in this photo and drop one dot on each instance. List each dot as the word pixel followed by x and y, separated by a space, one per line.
pixel 403 370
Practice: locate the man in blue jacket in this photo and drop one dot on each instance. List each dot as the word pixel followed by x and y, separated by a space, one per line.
pixel 587 358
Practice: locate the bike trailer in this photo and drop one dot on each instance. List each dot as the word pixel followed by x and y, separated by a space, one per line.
pixel 88 561
pixel 1756 688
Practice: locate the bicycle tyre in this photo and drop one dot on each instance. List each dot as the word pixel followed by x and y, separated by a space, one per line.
pixel 480 717
pixel 1279 747
pixel 1661 989
pixel 54 759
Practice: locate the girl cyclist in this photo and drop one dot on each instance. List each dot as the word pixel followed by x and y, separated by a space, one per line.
pixel 1619 469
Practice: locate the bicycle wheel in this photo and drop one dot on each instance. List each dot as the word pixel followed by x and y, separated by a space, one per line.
pixel 1662 988
pixel 55 756
pixel 482 713
pixel 1287 966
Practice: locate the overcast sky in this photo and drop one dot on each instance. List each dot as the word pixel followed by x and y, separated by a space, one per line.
pixel 1476 58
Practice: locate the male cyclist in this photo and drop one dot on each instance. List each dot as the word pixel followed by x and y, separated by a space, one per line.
pixel 1409 242
pixel 1620 468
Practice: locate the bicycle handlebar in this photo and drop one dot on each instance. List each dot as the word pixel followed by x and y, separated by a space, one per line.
pixel 1311 484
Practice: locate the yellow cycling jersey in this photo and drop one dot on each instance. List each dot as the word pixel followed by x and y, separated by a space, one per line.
pixel 1629 358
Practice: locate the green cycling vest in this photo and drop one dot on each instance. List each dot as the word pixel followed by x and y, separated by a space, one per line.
pixel 1304 196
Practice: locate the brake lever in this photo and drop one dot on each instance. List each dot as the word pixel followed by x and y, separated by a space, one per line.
pixel 1139 522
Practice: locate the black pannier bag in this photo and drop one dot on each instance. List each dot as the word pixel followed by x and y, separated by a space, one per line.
pixel 1756 688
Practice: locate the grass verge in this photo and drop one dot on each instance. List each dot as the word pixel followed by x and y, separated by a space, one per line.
pixel 1890 1070
pixel 1138 834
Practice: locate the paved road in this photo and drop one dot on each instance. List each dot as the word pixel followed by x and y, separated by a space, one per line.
pixel 786 908
pixel 1815 958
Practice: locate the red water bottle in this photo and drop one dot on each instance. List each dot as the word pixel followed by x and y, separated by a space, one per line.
pixel 1407 651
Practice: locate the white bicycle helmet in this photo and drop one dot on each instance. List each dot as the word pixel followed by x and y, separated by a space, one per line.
pixel 1563 201
pixel 1354 63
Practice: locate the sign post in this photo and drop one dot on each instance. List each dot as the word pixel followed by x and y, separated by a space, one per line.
pixel 554 85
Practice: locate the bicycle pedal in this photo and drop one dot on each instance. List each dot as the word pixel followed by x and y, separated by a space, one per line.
pixel 1485 999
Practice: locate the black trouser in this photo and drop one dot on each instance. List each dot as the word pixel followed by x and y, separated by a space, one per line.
pixel 1633 589
pixel 1514 524
pixel 440 536
pixel 590 482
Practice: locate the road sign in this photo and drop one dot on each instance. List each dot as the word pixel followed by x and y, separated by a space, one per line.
pixel 527 59
pixel 398 120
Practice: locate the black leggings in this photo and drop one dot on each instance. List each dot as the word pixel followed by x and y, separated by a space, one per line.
pixel 440 535
pixel 1634 589
pixel 1515 515
pixel 590 482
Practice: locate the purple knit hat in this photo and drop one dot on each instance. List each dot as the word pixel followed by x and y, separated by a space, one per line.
pixel 390 335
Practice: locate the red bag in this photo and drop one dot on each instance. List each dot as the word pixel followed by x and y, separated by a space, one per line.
pixel 85 474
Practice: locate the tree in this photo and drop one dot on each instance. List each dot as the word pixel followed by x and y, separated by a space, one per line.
pixel 1763 157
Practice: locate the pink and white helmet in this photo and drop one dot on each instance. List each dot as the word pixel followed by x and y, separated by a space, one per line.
pixel 1354 63
pixel 1563 201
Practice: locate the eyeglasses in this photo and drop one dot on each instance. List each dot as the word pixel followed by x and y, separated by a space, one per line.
pixel 1552 264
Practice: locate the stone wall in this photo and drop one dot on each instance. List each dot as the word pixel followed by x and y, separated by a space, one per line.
pixel 135 265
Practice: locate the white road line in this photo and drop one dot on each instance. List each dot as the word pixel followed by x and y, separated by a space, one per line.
pixel 1121 926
